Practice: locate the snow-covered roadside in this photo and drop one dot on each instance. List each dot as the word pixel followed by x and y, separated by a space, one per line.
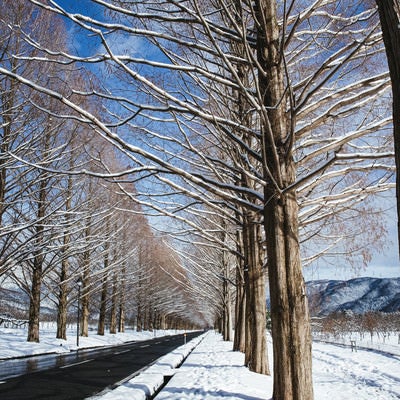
pixel 212 371
pixel 13 342
pixel 390 343
pixel 147 382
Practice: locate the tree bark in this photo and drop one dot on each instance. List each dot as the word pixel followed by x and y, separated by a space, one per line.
pixel 291 332
pixel 239 342
pixel 121 304
pixel 34 305
pixel 7 100
pixel 103 301
pixel 85 297
pixel 139 318
pixel 62 308
pixel 62 302
pixel 38 259
pixel 256 341
pixel 113 310
pixel 289 309
pixel 389 14
pixel 227 312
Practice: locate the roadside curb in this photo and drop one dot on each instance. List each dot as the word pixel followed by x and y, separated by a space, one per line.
pixel 147 382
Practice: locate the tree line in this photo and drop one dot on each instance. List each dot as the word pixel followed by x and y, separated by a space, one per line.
pixel 59 225
pixel 369 325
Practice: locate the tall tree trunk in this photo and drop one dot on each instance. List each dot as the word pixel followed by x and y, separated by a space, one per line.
pixel 139 318
pixel 227 313
pixel 37 274
pixel 38 260
pixel 256 340
pixel 226 295
pixel 8 95
pixel 389 14
pixel 62 308
pixel 164 322
pixel 121 317
pixel 113 310
pixel 103 303
pixel 121 305
pixel 146 319
pixel 239 341
pixel 121 310
pixel 289 308
pixel 34 305
pixel 62 302
pixel 85 297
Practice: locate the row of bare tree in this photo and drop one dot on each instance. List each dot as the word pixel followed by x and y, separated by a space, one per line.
pixel 259 132
pixel 343 324
pixel 57 225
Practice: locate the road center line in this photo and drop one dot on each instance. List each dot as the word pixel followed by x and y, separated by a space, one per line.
pixel 122 352
pixel 146 345
pixel 78 363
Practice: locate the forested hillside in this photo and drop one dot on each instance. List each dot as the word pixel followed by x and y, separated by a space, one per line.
pixel 359 295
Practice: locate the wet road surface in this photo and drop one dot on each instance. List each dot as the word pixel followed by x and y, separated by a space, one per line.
pixel 80 374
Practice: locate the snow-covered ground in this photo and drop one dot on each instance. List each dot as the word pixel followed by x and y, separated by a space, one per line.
pixel 213 371
pixel 13 341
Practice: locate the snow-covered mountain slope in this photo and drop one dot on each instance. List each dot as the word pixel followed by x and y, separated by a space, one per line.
pixel 359 295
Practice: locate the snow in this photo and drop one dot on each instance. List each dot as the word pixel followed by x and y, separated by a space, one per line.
pixel 342 374
pixel 13 341
pixel 211 370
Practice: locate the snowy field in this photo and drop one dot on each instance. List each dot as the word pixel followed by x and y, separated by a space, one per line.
pixel 13 341
pixel 213 371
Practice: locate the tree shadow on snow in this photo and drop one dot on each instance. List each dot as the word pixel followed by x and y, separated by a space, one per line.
pixel 206 394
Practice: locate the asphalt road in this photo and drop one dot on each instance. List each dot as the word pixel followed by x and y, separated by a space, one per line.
pixel 83 373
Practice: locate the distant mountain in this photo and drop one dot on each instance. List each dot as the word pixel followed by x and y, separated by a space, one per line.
pixel 359 295
pixel 13 301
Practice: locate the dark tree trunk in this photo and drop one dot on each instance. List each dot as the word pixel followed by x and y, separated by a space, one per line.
pixel 121 317
pixel 389 14
pixel 62 308
pixel 62 302
pixel 103 305
pixel 146 319
pixel 85 297
pixel 291 332
pixel 227 313
pixel 289 308
pixel 85 300
pixel 139 319
pixel 256 341
pixel 38 260
pixel 239 341
pixel 34 305
pixel 113 310
pixel 121 306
